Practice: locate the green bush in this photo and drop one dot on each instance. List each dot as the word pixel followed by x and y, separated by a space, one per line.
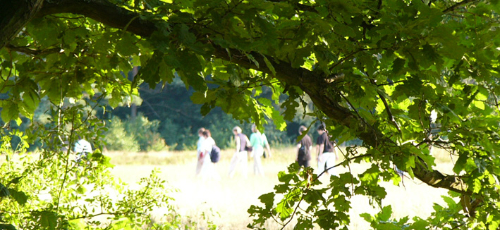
pixel 138 134
pixel 117 138
pixel 50 190
pixel 145 133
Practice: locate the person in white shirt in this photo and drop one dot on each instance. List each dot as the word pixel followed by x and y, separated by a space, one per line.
pixel 207 169
pixel 82 148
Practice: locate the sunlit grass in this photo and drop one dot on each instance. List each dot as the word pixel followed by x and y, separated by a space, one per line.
pixel 225 202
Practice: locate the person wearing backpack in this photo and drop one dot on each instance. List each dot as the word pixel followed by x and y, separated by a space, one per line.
pixel 304 149
pixel 327 156
pixel 207 167
pixel 241 154
pixel 257 143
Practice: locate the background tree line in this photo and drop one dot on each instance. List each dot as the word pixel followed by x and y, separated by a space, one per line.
pixel 165 118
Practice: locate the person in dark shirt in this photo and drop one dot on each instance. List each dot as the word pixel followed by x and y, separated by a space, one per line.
pixel 304 149
pixel 326 152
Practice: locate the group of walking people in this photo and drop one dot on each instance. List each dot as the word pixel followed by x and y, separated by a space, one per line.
pixel 257 147
pixel 325 149
pixel 244 146
pixel 253 147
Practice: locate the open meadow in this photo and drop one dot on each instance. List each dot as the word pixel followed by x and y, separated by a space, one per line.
pixel 225 202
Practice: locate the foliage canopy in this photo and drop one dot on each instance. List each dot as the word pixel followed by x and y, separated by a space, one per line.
pixel 375 70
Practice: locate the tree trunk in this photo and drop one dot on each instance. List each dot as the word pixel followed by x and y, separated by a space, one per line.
pixel 14 14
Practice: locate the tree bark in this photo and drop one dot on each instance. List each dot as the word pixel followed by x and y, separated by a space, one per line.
pixel 14 14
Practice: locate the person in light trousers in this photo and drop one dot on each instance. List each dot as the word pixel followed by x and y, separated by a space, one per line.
pixel 241 154
pixel 199 151
pixel 258 142
pixel 327 156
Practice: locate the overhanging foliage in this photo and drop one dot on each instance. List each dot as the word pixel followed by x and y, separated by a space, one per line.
pixel 374 70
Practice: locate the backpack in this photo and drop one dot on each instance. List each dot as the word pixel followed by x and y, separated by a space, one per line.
pixel 302 152
pixel 215 154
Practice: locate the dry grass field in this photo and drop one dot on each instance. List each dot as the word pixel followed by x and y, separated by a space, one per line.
pixel 225 202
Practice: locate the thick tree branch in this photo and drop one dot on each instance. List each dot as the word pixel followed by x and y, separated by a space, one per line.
pixel 102 11
pixel 14 14
pixel 313 83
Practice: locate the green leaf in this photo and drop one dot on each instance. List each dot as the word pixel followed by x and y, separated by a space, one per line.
pixel 299 138
pixel 460 164
pixel 367 217
pixel 20 197
pixel 269 65
pixel 81 189
pixel 249 56
pixel 4 191
pixel 15 180
pixel 126 46
pixel 385 214
pixel 267 199
pixel 185 36
pixel 285 177
pixel 430 54
pixel 397 66
pixel 476 185
pixel 10 111
pixel 7 227
pixel 344 30
pixel 284 209
pixel 150 72
pixel 278 120
pixel 48 219
pixel 419 225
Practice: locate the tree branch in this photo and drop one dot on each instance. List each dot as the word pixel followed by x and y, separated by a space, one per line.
pixel 387 109
pixel 28 50
pixel 102 11
pixel 299 6
pixel 453 7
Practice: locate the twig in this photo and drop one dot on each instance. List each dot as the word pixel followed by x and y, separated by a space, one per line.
pixel 352 106
pixel 103 213
pixel 343 162
pixel 395 82
pixel 300 6
pixel 349 56
pixel 452 8
pixel 388 110
pixel 349 166
pixel 28 50
pixel 68 152
pixel 294 211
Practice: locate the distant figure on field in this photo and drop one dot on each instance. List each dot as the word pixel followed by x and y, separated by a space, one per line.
pixel 326 152
pixel 240 156
pixel 304 149
pixel 266 145
pixel 207 167
pixel 257 142
pixel 82 148
pixel 199 143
